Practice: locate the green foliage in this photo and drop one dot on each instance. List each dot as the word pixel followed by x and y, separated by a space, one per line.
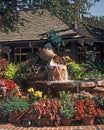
pixel 90 61
pixel 98 18
pixel 99 100
pixel 10 71
pixel 31 55
pixel 101 18
pixel 64 9
pixel 34 95
pixel 75 70
pixel 67 60
pixel 14 104
pixel 65 95
pixel 94 74
pixel 93 70
pixel 30 68
pixel 67 109
pixel 99 120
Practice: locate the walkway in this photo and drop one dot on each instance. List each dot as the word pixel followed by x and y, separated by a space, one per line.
pixel 9 126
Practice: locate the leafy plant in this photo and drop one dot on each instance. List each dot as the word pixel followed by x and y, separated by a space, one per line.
pixel 14 104
pixel 47 108
pixel 94 74
pixel 3 66
pixel 75 70
pixel 84 94
pixel 89 61
pixel 30 68
pixel 34 95
pixel 93 70
pixel 67 110
pixel 10 71
pixel 7 88
pixel 67 60
pixel 99 100
pixel 99 120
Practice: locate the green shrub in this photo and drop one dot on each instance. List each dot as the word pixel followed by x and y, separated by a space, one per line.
pixel 14 104
pixel 30 68
pixel 75 70
pixel 67 110
pixel 10 71
pixel 94 74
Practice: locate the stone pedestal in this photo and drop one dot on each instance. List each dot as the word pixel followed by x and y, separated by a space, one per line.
pixel 87 85
pixel 99 86
pixel 57 73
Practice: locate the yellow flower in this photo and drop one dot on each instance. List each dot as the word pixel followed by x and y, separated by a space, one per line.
pixel 38 94
pixel 30 90
pixel 35 94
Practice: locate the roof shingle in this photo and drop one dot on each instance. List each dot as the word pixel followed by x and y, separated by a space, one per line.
pixel 35 25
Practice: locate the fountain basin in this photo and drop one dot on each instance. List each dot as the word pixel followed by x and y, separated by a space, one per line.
pixel 74 86
pixel 53 87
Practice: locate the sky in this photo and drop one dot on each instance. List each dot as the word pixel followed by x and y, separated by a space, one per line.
pixel 98 9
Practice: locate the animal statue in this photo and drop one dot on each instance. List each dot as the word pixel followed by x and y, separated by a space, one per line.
pixel 48 51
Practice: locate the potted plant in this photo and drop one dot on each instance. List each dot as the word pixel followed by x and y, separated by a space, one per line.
pixel 99 101
pixel 45 112
pixel 67 110
pixel 86 110
pixel 30 69
pixel 14 108
pixel 7 88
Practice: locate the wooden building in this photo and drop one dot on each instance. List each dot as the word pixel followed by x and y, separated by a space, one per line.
pixel 94 39
pixel 31 32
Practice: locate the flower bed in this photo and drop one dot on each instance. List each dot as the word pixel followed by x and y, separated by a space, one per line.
pixel 36 107
pixel 7 88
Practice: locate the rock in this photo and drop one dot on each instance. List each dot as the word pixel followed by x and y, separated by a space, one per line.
pixel 87 84
pixel 98 89
pixel 100 83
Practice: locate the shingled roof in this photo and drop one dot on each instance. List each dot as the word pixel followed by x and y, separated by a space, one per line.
pixel 93 29
pixel 35 26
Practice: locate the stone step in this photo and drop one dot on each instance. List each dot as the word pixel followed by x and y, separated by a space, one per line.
pixel 87 84
pixel 98 89
pixel 100 83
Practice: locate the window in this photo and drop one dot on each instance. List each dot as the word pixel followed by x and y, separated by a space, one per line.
pixel 81 53
pixel 21 53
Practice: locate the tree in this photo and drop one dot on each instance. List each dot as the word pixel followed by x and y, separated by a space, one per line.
pixel 101 18
pixel 67 10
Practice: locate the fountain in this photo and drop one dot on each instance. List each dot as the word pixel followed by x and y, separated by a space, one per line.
pixel 57 72
pixel 57 79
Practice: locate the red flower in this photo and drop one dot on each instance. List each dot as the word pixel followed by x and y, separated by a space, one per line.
pixel 10 84
pixel 6 87
pixel 86 107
